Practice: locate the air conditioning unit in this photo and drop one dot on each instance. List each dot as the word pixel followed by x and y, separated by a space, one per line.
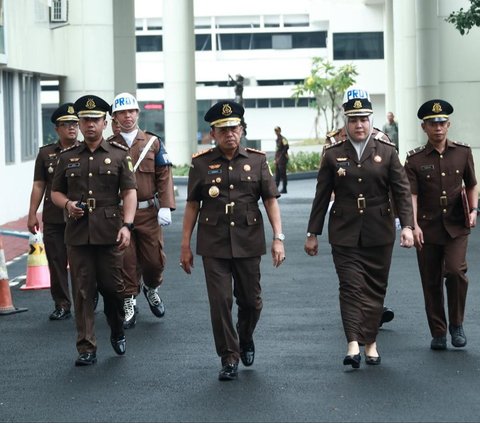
pixel 59 11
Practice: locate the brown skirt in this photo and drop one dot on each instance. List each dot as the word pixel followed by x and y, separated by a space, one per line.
pixel 363 276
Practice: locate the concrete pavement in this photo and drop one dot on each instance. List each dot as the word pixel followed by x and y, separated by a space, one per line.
pixel 170 370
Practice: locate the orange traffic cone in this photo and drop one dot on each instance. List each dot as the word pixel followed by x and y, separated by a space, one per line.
pixel 6 305
pixel 38 275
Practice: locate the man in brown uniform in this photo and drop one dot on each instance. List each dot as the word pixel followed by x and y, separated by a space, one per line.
pixel 361 171
pixel 145 256
pixel 225 184
pixel 437 172
pixel 87 183
pixel 281 159
pixel 66 126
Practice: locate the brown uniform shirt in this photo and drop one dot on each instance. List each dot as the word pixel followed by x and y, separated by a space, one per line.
pixel 362 213
pixel 437 180
pixel 97 176
pixel 45 165
pixel 151 178
pixel 230 223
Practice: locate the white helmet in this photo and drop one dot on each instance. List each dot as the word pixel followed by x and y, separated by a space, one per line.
pixel 355 92
pixel 124 101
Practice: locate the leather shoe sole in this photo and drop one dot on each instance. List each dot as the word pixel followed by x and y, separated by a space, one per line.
pixel 119 344
pixel 352 360
pixel 387 316
pixel 247 354
pixel 439 343
pixel 86 359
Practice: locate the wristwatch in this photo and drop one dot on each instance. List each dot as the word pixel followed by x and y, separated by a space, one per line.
pixel 309 235
pixel 129 226
pixel 477 209
pixel 280 237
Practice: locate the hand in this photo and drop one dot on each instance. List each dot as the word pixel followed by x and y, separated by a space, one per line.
pixel 278 253
pixel 164 216
pixel 74 211
pixel 123 238
pixel 418 238
pixel 33 225
pixel 311 246
pixel 186 259
pixel 406 238
pixel 473 218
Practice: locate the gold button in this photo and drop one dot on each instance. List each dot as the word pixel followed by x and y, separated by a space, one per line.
pixel 359 179
pixel 90 209
pixel 114 214
pixel 206 219
pixel 360 195
pixel 457 171
pixel 231 186
pixel 255 219
pixel 90 158
pixel 428 176
pixel 72 174
pixel 232 223
pixel 90 192
pixel 444 192
pixel 443 173
pixel 90 174
pixel 424 217
pixel 444 210
pixel 359 165
pixel 360 211
pixel 108 172
pixel 230 168
pixel 248 177
pixel 441 156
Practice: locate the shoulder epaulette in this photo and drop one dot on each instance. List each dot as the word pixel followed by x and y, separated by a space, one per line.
pixel 463 144
pixel 254 150
pixel 382 137
pixel 415 151
pixel 333 133
pixel 153 134
pixel 48 145
pixel 201 153
pixel 116 144
pixel 110 138
pixel 69 148
pixel 327 147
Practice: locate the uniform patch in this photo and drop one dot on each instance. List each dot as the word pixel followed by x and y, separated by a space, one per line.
pixel 72 165
pixel 427 167
pixel 214 171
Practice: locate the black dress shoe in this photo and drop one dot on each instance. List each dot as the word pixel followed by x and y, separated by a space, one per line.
pixel 86 359
pixel 60 314
pixel 459 339
pixel 119 344
pixel 439 343
pixel 374 361
pixel 352 360
pixel 247 353
pixel 387 316
pixel 229 372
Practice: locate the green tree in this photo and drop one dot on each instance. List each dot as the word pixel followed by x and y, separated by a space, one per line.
pixel 465 20
pixel 326 85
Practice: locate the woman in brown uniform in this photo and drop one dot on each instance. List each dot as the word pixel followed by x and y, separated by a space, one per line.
pixel 360 171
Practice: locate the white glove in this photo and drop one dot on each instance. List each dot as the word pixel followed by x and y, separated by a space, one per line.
pixel 164 216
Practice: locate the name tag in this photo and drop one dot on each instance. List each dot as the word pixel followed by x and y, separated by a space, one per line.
pixel 427 167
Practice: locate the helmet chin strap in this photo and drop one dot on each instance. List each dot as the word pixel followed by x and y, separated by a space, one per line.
pixel 128 129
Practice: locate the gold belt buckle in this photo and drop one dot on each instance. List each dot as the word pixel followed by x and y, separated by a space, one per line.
pixel 229 208
pixel 443 200
pixel 91 203
pixel 361 203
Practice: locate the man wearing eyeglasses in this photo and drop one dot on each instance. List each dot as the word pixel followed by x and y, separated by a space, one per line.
pixel 225 184
pixel 66 126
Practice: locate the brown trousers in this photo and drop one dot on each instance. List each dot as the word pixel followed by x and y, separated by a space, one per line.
pixel 56 251
pixel 245 273
pixel 436 263
pixel 363 276
pixel 144 256
pixel 93 266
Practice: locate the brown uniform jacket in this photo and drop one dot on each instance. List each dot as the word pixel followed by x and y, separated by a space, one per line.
pixel 45 165
pixel 361 213
pixel 230 223
pixel 151 178
pixel 281 152
pixel 437 181
pixel 98 177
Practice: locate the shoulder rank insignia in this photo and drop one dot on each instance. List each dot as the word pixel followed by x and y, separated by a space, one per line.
pixel 110 138
pixel 381 136
pixel 415 151
pixel 327 147
pixel 47 145
pixel 116 144
pixel 201 153
pixel 69 148
pixel 463 144
pixel 254 150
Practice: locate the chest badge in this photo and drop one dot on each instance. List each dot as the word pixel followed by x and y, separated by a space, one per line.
pixel 213 191
pixel 247 168
pixel 107 160
pixel 377 159
pixel 341 171
pixel 218 180
pixel 50 169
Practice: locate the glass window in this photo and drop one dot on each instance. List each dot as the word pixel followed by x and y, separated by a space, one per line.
pixel 282 41
pixel 152 117
pixel 8 80
pixel 149 43
pixel 255 41
pixel 276 102
pixel 316 39
pixel 295 20
pixel 29 105
pixel 203 42
pixel 271 21
pixel 250 103
pixel 262 103
pixel 202 22
pixel 358 45
pixel 288 102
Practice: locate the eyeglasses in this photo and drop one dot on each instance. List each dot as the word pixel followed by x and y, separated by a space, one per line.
pixel 67 124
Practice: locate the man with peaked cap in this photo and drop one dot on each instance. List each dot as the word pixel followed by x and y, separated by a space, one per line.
pixel 442 178
pixel 225 184
pixel 361 171
pixel 90 180
pixel 281 159
pixel 66 126
pixel 144 259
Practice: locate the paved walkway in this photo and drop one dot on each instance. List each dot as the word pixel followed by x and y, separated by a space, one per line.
pixel 15 246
